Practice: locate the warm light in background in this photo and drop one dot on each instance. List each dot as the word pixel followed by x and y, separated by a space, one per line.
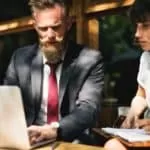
pixel 14 25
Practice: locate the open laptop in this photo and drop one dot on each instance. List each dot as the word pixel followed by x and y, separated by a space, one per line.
pixel 13 129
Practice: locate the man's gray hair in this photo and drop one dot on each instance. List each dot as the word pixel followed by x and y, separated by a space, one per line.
pixel 43 4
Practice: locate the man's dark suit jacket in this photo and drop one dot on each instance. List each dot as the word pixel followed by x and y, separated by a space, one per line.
pixel 80 91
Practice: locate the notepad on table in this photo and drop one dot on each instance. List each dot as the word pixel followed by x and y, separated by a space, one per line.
pixel 131 135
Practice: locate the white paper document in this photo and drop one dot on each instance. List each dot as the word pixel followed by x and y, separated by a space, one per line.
pixel 131 135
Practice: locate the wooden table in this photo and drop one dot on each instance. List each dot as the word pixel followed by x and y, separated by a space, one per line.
pixel 69 146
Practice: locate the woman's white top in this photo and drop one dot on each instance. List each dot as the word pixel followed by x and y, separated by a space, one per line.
pixel 143 77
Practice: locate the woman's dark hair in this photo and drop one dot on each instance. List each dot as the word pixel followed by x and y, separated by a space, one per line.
pixel 140 11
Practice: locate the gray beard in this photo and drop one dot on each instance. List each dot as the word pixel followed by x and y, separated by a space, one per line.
pixel 53 56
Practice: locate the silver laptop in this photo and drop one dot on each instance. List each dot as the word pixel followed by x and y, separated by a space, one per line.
pixel 13 129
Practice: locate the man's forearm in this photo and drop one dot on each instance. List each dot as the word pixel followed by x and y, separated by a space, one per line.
pixel 75 123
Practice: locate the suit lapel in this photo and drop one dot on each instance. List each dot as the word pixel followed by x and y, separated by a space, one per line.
pixel 67 70
pixel 36 79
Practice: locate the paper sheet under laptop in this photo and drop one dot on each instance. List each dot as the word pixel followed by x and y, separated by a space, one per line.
pixel 13 131
pixel 131 135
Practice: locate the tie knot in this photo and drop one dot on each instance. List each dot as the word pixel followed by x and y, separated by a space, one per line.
pixel 53 66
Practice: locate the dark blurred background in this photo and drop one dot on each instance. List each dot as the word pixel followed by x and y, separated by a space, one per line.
pixel 10 9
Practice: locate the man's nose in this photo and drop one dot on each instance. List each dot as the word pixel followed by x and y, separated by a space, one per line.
pixel 50 33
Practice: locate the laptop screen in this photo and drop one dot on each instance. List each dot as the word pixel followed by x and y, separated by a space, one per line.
pixel 13 130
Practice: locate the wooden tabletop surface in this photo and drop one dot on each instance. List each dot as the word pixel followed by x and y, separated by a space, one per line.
pixel 69 146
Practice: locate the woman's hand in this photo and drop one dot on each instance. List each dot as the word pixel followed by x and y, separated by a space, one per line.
pixel 129 122
pixel 144 124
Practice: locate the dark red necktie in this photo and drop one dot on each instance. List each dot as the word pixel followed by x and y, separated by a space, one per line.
pixel 52 109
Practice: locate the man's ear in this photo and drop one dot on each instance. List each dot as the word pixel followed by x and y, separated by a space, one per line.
pixel 33 23
pixel 70 21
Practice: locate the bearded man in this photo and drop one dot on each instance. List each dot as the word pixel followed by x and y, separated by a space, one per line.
pixel 61 82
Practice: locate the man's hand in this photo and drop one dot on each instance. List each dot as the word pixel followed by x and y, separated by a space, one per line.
pixel 144 124
pixel 39 133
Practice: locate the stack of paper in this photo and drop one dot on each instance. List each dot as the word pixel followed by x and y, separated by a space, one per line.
pixel 132 135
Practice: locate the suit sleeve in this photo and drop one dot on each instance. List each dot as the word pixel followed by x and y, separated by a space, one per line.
pixel 11 76
pixel 87 106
